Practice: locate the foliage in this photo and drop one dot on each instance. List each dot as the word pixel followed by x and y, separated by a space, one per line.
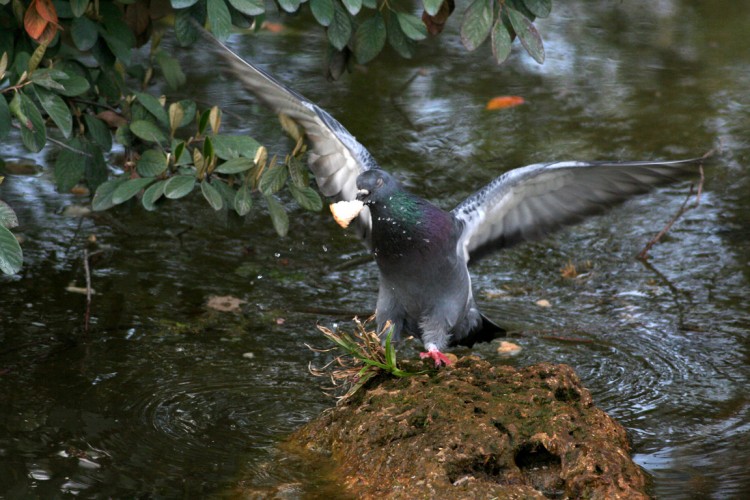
pixel 363 358
pixel 69 76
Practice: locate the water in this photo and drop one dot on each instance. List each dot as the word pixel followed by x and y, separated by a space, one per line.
pixel 165 398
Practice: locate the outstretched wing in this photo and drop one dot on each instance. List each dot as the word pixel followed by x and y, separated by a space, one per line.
pixel 530 202
pixel 335 157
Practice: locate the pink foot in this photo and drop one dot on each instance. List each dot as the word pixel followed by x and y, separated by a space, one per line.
pixel 438 356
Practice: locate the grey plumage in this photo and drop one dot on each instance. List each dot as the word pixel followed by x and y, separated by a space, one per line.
pixel 422 251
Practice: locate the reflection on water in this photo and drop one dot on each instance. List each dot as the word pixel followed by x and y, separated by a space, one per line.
pixel 163 398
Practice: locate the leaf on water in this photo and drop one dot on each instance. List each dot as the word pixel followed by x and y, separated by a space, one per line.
pixel 11 255
pixel 226 303
pixel 505 101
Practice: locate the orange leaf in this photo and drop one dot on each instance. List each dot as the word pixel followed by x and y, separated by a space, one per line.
pixel 505 101
pixel 33 22
pixel 46 10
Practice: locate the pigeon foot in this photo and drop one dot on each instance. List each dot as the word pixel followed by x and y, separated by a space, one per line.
pixel 437 356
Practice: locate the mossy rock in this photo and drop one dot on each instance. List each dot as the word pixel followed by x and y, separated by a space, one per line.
pixel 475 430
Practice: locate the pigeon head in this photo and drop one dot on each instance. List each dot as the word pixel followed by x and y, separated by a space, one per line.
pixel 376 185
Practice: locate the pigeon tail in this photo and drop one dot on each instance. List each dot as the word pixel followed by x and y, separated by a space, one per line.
pixel 487 331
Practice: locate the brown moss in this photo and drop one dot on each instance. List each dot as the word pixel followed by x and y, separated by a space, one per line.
pixel 476 430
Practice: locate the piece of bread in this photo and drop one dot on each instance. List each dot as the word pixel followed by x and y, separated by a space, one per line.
pixel 345 211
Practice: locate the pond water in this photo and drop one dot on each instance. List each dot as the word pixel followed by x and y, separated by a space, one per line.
pixel 164 398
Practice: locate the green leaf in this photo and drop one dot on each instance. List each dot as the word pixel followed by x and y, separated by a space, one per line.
pixel 340 29
pixel 56 109
pixel 412 26
pixel 273 179
pixel 432 6
pixel 153 105
pixel 103 196
pixel 74 85
pixel 147 131
pixel 11 255
pixel 183 4
pixel 151 163
pixel 179 186
pixel 527 33
pixel 78 7
pixel 184 29
pixel 226 191
pixel 4 117
pixel 43 78
pixel 501 41
pixel 278 215
pixel 476 23
pixel 98 131
pixel 249 7
pixel 69 167
pixel 171 69
pixel 243 200
pixel 232 146
pixel 540 8
pixel 189 109
pixel 212 195
pixel 397 39
pixel 235 165
pixel 369 39
pixel 353 6
pixel 152 195
pixel 307 198
pixel 322 11
pixel 96 168
pixel 33 131
pixel 290 5
pixel 128 189
pixel 298 172
pixel 219 18
pixel 8 217
pixel 84 33
pixel 203 121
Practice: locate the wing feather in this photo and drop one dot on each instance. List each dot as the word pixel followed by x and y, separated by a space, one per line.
pixel 530 202
pixel 336 158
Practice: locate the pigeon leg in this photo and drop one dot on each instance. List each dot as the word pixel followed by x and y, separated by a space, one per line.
pixel 436 355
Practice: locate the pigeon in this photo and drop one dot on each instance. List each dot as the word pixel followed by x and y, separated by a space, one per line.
pixel 422 251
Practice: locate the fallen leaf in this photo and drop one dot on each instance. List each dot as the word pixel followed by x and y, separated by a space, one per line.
pixel 543 303
pixel 226 303
pixel 272 27
pixel 510 348
pixel 505 101
pixel 569 271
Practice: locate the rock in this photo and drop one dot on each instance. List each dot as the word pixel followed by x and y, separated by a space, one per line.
pixel 475 430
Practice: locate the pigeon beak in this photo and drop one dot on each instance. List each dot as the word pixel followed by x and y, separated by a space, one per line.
pixel 362 194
